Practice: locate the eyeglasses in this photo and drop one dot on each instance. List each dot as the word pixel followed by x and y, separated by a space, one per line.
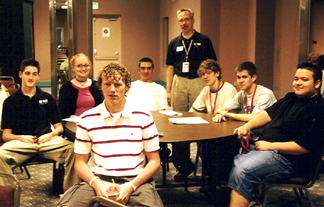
pixel 184 20
pixel 82 66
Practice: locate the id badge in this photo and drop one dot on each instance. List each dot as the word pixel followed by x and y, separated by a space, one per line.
pixel 185 67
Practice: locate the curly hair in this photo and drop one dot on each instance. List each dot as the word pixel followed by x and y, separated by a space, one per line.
pixel 113 70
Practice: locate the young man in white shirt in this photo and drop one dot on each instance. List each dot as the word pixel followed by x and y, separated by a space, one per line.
pixel 216 93
pixel 144 92
pixel 252 98
pixel 118 138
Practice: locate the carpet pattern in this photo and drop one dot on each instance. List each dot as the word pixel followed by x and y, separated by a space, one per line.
pixel 37 191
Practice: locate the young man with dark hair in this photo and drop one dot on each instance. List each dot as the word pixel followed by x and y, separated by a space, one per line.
pixel 252 98
pixel 144 92
pixel 32 125
pixel 113 141
pixel 290 143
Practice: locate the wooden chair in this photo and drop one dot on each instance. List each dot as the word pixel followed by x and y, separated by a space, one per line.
pixel 105 201
pixel 296 183
pixel 10 190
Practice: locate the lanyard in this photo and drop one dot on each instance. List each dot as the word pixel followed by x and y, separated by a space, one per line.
pixel 247 110
pixel 187 52
pixel 246 147
pixel 211 106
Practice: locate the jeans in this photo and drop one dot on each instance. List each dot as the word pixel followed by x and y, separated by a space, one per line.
pixel 251 169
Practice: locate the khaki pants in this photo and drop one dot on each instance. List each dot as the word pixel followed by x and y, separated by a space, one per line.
pixel 184 93
pixel 15 152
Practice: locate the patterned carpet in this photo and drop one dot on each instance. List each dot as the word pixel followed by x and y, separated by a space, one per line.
pixel 37 191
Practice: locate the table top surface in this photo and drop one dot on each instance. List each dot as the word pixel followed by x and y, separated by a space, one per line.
pixel 187 132
pixel 192 132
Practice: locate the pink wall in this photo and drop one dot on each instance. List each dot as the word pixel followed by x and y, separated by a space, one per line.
pixel 210 21
pixel 236 36
pixel 286 46
pixel 81 28
pixel 42 38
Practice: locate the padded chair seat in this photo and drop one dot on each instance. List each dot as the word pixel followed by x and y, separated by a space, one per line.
pixel 7 196
pixel 298 181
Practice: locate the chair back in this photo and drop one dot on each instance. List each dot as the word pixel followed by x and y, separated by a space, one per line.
pixel 10 190
pixel 315 176
pixel 7 80
pixel 9 83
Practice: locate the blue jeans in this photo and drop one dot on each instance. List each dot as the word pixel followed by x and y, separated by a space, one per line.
pixel 251 169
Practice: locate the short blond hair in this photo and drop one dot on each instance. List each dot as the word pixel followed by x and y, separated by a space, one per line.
pixel 112 70
pixel 78 56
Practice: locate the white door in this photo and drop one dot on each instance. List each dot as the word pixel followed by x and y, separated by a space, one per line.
pixel 106 42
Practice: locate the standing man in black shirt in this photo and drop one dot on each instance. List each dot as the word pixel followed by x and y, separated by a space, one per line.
pixel 185 53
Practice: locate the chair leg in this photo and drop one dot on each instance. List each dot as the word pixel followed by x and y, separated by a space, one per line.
pixel 58 179
pixel 309 198
pixel 165 166
pixel 266 189
pixel 301 193
pixel 21 169
pixel 27 172
pixel 168 164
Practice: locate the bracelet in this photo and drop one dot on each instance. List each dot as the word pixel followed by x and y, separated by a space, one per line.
pixel 131 184
pixel 92 179
pixel 225 112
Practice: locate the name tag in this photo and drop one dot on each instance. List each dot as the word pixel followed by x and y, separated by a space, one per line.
pixel 42 102
pixel 185 67
pixel 197 44
pixel 179 48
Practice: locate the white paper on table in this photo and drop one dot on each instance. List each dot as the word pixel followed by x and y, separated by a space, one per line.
pixel 188 120
pixel 75 119
pixel 170 113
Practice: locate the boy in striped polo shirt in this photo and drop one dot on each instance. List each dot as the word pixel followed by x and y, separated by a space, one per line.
pixel 117 138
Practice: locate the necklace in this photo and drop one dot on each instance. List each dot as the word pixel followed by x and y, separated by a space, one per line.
pixel 82 82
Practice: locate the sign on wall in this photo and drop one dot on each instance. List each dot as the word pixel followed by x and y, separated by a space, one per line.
pixel 106 31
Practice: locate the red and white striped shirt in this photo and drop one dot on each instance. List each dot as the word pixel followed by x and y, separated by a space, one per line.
pixel 117 146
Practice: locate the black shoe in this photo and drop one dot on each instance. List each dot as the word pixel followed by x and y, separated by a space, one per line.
pixel 179 177
pixel 164 152
pixel 187 168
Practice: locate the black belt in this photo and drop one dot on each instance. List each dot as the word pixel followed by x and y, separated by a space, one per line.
pixel 187 76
